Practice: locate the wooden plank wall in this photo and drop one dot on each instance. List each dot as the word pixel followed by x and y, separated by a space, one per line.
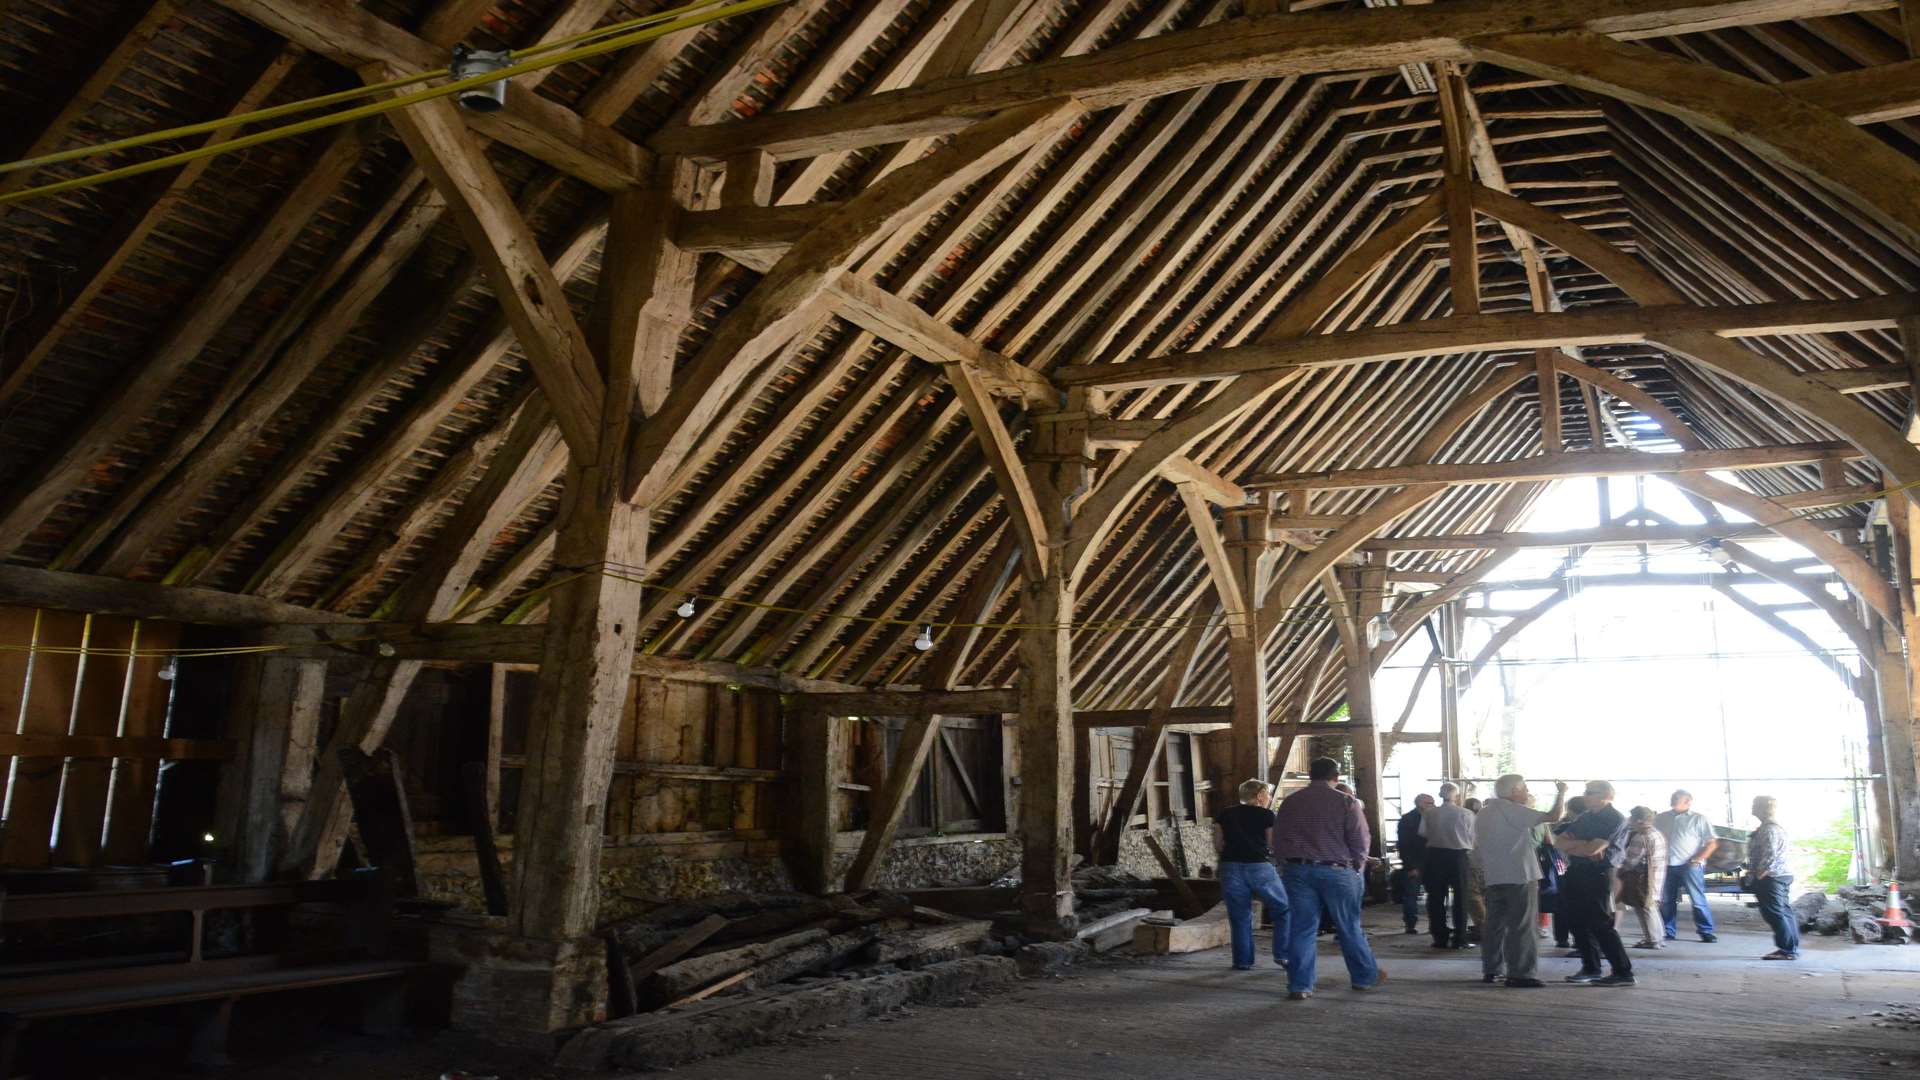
pixel 706 758
pixel 80 811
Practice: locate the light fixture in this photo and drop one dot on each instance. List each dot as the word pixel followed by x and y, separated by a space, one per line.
pixel 685 610
pixel 170 669
pixel 925 640
pixel 1718 553
pixel 1383 628
pixel 386 649
pixel 486 97
pixel 208 837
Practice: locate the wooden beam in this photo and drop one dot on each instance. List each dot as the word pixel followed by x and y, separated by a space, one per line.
pixel 893 318
pixel 1210 485
pixel 22 586
pixel 1865 172
pixel 1270 46
pixel 1009 470
pixel 1508 541
pixel 1463 264
pixel 353 37
pixel 1865 380
pixel 1910 345
pixel 1504 332
pixel 1870 95
pixel 1557 467
pixel 766 229
pixel 994 701
pixel 784 301
pixel 523 281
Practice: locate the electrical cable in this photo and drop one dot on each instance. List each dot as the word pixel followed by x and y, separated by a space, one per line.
pixel 701 15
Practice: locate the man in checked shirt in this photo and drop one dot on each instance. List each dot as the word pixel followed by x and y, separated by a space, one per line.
pixel 1320 840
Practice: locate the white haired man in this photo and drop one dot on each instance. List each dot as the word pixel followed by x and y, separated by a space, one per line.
pixel 1690 841
pixel 1246 870
pixel 1447 828
pixel 1507 857
pixel 1595 843
pixel 1771 880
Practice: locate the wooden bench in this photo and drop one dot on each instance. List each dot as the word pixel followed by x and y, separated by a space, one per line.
pixel 45 991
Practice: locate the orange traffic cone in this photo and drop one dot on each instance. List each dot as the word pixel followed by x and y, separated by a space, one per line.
pixel 1894 925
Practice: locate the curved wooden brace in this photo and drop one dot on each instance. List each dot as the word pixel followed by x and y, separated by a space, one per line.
pixel 1835 609
pixel 1780 127
pixel 1098 515
pixel 1520 621
pixel 1855 422
pixel 1309 566
pixel 1859 574
pixel 1856 685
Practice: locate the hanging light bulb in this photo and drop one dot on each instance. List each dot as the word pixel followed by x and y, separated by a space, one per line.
pixel 1383 628
pixel 1718 553
pixel 925 640
pixel 685 610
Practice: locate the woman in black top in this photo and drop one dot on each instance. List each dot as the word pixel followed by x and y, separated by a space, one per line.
pixel 1246 871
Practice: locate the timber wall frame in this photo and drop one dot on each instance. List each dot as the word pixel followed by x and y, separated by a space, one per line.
pixel 1061 474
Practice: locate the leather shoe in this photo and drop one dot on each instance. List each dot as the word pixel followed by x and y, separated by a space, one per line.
pixel 1524 984
pixel 1299 995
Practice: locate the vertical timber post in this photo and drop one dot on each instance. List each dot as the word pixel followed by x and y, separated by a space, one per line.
pixel 1246 541
pixel 1057 462
pixel 1362 589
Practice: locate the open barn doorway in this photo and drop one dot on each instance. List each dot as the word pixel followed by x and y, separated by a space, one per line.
pixel 1659 665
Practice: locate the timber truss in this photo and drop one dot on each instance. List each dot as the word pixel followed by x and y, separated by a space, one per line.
pixel 1115 340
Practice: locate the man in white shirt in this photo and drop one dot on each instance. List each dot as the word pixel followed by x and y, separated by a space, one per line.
pixel 1690 840
pixel 1505 852
pixel 1448 830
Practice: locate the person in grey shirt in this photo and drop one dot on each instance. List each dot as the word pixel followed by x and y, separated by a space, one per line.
pixel 1690 841
pixel 1506 855
pixel 1448 830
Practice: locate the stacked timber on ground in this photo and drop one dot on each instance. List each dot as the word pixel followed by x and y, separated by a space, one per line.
pixel 1113 344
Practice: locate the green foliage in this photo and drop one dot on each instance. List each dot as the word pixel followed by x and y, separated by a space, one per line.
pixel 1830 854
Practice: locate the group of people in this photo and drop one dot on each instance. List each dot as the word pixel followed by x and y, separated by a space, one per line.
pixel 1504 872
pixel 1579 867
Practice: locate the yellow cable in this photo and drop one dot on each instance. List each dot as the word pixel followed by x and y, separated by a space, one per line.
pixel 399 102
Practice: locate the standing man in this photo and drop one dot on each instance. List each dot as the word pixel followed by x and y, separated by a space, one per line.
pixel 1321 841
pixel 1448 831
pixel 1594 843
pixel 1772 880
pixel 1413 856
pixel 1506 853
pixel 1690 841
pixel 1246 871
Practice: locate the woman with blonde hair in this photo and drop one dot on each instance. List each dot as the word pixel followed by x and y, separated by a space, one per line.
pixel 1643 874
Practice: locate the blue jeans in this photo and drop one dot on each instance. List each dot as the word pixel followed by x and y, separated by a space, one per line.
pixel 1240 882
pixel 1336 891
pixel 1410 900
pixel 1772 894
pixel 1693 879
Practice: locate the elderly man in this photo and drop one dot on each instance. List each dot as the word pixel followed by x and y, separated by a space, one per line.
pixel 1413 856
pixel 1447 828
pixel 1321 840
pixel 1595 843
pixel 1505 854
pixel 1690 841
pixel 1771 880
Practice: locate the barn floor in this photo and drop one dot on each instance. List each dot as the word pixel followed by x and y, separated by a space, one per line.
pixel 1710 1010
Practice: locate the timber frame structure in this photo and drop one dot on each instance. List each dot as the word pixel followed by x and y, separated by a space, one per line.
pixel 1142 348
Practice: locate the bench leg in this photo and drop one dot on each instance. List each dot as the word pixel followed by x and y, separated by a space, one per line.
pixel 209 1046
pixel 383 1007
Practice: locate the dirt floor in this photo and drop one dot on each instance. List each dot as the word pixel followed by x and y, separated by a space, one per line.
pixel 1705 1011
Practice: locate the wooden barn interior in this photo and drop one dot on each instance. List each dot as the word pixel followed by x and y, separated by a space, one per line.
pixel 579 525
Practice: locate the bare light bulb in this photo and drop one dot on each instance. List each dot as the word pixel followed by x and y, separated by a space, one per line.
pixel 685 610
pixel 1718 553
pixel 925 640
pixel 1383 627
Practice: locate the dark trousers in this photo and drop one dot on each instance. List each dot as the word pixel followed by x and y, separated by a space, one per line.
pixel 1772 894
pixel 1585 893
pixel 1446 878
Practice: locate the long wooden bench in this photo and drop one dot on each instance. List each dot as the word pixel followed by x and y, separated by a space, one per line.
pixel 43 991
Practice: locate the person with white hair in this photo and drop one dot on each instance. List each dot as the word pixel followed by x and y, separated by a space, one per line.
pixel 1506 856
pixel 1770 880
pixel 1448 829
pixel 1595 843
